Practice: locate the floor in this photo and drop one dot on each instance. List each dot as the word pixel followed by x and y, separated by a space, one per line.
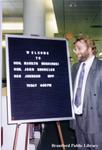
pixel 50 138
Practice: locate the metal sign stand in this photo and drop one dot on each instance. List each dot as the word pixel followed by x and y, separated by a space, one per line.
pixel 60 135
pixel 16 137
pixel 27 132
pixel 26 139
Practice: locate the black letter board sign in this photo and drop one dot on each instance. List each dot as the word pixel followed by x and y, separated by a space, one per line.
pixel 38 79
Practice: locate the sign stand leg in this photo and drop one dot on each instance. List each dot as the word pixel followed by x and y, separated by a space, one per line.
pixel 60 134
pixel 26 139
pixel 16 137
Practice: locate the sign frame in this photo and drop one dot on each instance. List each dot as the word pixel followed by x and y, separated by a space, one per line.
pixel 10 121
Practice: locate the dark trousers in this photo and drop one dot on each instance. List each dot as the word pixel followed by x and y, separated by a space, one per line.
pixel 86 141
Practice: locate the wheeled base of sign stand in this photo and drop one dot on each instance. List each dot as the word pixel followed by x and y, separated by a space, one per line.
pixel 27 132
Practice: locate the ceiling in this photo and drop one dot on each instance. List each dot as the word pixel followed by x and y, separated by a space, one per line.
pixel 12 8
pixel 73 16
pixel 79 16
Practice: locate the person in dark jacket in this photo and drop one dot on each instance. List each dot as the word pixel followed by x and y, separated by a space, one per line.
pixel 87 101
